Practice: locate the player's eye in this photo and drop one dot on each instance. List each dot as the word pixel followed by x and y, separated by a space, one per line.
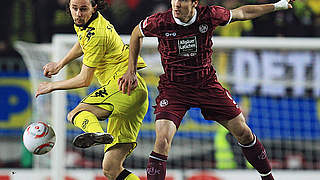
pixel 83 9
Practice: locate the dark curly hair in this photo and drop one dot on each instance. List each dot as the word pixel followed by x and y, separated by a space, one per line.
pixel 100 5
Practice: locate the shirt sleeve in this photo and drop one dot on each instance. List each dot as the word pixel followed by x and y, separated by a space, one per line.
pixel 149 26
pixel 94 50
pixel 220 15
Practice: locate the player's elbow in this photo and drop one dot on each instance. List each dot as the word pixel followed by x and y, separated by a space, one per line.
pixel 84 79
pixel 242 13
pixel 84 82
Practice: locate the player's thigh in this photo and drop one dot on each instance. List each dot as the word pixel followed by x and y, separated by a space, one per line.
pixel 124 129
pixel 97 111
pixel 115 156
pixel 217 104
pixel 109 98
pixel 171 105
pixel 135 103
pixel 126 119
pixel 238 128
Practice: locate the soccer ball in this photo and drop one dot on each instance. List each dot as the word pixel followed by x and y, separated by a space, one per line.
pixel 39 138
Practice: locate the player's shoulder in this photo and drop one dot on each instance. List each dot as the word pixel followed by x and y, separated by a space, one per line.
pixel 210 9
pixel 101 26
pixel 214 13
pixel 100 22
pixel 218 9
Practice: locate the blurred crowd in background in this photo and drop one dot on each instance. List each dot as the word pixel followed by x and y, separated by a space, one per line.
pixel 37 20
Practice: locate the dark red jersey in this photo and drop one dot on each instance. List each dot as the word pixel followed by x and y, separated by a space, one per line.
pixel 186 48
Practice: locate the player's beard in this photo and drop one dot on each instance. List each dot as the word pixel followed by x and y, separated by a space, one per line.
pixel 82 23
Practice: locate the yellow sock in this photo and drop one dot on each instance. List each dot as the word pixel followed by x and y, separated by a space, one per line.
pixel 127 175
pixel 88 122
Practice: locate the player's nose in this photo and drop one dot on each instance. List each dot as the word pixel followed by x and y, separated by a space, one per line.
pixel 78 13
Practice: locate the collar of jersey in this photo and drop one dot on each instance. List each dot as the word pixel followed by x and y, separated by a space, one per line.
pixel 192 20
pixel 93 17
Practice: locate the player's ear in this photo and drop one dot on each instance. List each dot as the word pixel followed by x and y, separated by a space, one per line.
pixel 94 5
pixel 95 8
pixel 195 3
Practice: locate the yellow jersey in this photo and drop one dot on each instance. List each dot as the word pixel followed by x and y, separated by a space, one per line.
pixel 103 48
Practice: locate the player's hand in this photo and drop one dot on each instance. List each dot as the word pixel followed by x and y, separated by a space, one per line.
pixel 44 88
pixel 50 69
pixel 128 82
pixel 283 4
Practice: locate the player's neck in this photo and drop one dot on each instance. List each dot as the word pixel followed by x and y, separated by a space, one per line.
pixel 188 20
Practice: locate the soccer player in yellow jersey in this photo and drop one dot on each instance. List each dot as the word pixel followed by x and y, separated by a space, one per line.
pixel 106 57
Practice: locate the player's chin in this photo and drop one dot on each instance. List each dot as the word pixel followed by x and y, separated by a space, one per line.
pixel 79 24
pixel 176 15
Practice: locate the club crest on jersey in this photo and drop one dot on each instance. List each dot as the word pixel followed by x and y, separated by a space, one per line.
pixel 203 28
pixel 163 103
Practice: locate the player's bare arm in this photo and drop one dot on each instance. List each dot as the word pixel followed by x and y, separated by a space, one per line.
pixel 83 79
pixel 53 68
pixel 252 11
pixel 128 81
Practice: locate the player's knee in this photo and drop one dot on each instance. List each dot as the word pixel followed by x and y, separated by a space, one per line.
pixel 246 136
pixel 163 144
pixel 107 173
pixel 70 116
pixel 110 171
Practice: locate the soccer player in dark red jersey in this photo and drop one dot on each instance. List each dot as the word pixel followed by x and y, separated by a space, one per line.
pixel 184 34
